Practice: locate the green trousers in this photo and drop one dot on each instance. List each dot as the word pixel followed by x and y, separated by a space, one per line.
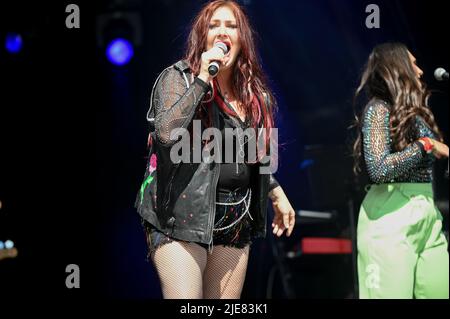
pixel 402 252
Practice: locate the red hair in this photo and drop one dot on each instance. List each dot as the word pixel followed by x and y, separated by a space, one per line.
pixel 249 81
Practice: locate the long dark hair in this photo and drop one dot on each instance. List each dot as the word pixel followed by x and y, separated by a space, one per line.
pixel 249 80
pixel 389 76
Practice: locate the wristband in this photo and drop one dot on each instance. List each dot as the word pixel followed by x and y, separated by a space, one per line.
pixel 428 146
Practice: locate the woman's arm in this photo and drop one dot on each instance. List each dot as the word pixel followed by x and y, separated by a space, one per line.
pixel 382 165
pixel 273 183
pixel 284 214
pixel 175 103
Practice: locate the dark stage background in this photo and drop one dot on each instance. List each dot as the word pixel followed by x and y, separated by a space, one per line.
pixel 73 135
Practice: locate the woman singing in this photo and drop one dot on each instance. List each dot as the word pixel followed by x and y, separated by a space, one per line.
pixel 201 217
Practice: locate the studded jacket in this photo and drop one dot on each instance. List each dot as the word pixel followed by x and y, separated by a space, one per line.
pixel 179 198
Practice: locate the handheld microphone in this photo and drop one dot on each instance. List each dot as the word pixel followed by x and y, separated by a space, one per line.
pixel 440 74
pixel 214 66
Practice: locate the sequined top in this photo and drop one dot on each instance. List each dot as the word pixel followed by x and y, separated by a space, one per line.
pixel 384 165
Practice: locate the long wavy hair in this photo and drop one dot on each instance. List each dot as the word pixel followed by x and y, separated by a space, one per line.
pixel 389 76
pixel 249 81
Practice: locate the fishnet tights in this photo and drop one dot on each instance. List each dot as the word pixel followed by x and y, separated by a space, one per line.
pixel 188 271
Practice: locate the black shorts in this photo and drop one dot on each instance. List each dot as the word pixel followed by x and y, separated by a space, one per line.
pixel 232 223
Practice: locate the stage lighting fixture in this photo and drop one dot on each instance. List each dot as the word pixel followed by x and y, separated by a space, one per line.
pixel 9 244
pixel 119 51
pixel 119 34
pixel 13 43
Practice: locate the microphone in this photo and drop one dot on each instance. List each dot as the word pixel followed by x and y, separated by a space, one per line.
pixel 214 66
pixel 440 74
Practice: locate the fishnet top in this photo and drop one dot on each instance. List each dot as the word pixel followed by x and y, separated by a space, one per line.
pixel 174 105
pixel 384 165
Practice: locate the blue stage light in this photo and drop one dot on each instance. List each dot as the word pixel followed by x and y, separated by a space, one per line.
pixel 13 43
pixel 306 163
pixel 119 51
pixel 9 244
